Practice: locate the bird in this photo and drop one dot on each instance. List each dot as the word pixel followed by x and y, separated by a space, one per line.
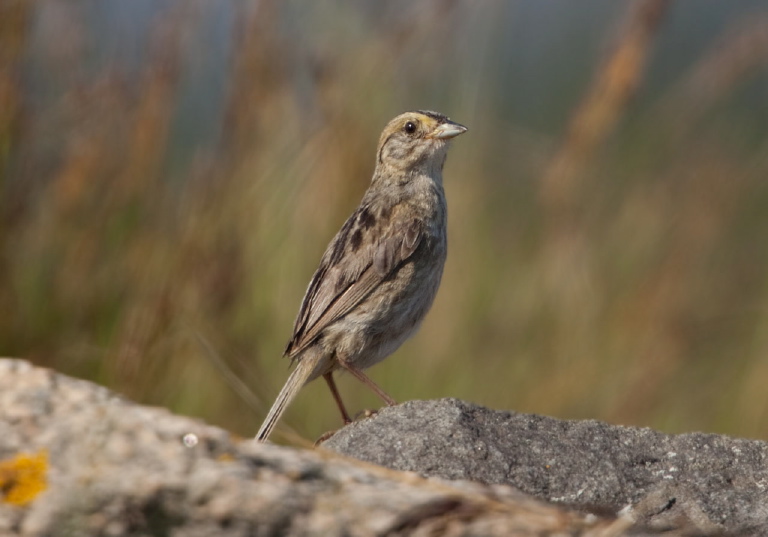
pixel 379 275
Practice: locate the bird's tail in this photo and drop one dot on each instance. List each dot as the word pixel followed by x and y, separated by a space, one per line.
pixel 298 378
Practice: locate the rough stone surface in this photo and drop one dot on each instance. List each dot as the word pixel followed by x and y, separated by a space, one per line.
pixel 103 466
pixel 705 481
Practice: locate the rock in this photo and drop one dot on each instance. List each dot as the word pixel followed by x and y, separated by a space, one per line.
pixel 703 481
pixel 77 460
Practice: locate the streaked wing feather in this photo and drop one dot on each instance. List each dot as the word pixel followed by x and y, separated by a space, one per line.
pixel 320 293
pixel 336 290
pixel 344 303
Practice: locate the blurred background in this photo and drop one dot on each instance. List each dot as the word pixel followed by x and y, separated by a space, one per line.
pixel 172 170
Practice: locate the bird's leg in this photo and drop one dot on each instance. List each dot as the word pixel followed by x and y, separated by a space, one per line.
pixel 362 377
pixel 332 385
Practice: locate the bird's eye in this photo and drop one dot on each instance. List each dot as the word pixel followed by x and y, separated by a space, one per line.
pixel 410 127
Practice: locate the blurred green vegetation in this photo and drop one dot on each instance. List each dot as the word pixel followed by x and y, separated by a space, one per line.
pixel 171 173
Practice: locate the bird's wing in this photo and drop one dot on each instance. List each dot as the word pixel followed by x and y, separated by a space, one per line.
pixel 364 253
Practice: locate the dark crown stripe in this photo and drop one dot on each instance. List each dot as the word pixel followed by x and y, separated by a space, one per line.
pixel 440 118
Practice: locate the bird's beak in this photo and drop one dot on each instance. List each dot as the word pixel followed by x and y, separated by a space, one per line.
pixel 448 130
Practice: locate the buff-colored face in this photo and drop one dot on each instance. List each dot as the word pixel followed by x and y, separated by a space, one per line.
pixel 417 139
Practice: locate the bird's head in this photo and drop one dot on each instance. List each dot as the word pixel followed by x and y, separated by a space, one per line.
pixel 416 141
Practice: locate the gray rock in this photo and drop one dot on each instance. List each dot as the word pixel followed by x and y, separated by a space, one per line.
pixel 76 460
pixel 703 481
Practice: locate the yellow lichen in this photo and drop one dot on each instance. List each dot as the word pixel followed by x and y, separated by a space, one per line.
pixel 22 478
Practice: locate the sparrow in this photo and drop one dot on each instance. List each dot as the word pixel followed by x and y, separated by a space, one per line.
pixel 380 274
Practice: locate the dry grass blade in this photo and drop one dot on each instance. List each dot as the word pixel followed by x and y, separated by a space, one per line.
pixel 14 20
pixel 613 87
pixel 740 53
